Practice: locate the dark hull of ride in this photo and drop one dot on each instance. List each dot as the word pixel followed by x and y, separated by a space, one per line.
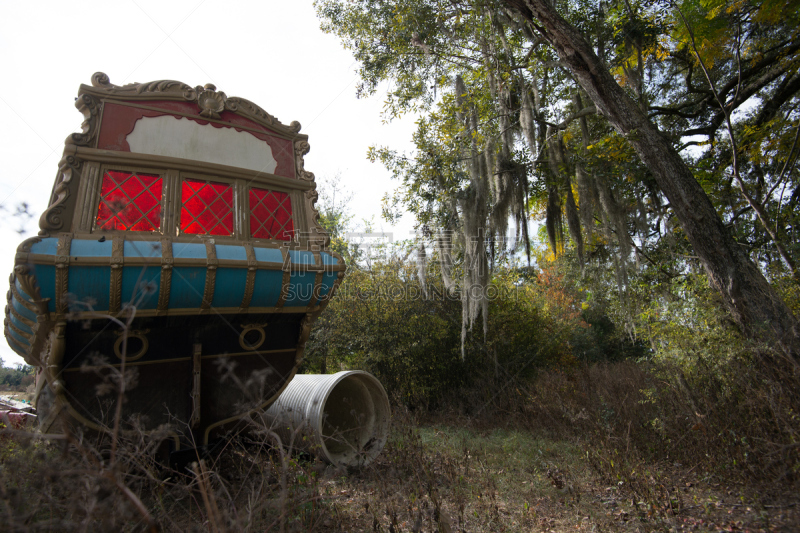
pixel 210 332
pixel 181 249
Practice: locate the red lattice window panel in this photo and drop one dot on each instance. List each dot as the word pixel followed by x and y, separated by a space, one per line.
pixel 207 208
pixel 270 215
pixel 130 201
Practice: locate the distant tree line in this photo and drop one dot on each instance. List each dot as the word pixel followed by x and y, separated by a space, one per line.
pixel 19 376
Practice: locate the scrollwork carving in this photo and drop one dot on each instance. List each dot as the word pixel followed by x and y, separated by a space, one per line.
pixel 210 101
pixel 26 245
pixel 312 196
pixel 250 110
pixel 27 281
pixel 26 278
pixel 52 217
pixel 163 86
pixel 100 79
pixel 102 83
pixel 301 148
pixel 90 107
pixel 317 236
pixel 247 108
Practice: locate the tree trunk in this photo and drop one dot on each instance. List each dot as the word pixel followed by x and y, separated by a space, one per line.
pixel 752 302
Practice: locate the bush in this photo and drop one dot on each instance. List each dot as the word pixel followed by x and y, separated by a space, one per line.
pixel 382 321
pixel 17 379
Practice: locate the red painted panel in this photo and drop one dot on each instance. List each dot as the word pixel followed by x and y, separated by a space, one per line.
pixel 207 208
pixel 270 215
pixel 119 121
pixel 130 201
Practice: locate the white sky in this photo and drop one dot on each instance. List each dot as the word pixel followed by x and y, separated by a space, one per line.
pixel 268 51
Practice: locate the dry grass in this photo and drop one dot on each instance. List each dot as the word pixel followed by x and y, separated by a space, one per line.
pixel 440 478
pixel 610 447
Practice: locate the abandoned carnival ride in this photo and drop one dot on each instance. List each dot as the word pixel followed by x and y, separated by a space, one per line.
pixel 181 240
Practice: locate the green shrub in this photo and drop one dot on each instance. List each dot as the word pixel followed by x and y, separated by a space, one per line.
pixel 382 321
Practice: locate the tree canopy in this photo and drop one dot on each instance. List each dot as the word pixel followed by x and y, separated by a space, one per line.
pixel 653 138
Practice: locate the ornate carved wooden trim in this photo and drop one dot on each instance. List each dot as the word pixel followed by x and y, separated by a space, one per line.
pixel 89 193
pixel 13 343
pixel 24 249
pixel 62 272
pixel 117 260
pixel 57 345
pixel 305 331
pixel 171 185
pixel 23 274
pixel 252 267
pixel 52 369
pixel 30 306
pixel 317 237
pixel 52 218
pixel 287 275
pixel 121 346
pixel 163 88
pixel 241 215
pixel 28 283
pixel 211 275
pixel 255 113
pixel 39 341
pixel 336 284
pixel 18 331
pixel 167 261
pixel 210 102
pixel 34 301
pixel 301 148
pixel 27 321
pixel 317 280
pixel 90 107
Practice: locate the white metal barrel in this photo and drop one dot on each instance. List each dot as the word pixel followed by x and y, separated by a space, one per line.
pixel 345 416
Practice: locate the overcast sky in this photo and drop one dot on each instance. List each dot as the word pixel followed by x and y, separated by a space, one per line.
pixel 268 51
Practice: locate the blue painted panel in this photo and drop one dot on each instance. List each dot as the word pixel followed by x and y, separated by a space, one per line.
pixel 20 324
pixel 142 249
pixel 229 287
pixel 328 259
pixel 16 347
pixel 301 257
pixel 268 254
pixel 89 283
pixel 18 338
pixel 301 289
pixel 46 278
pixel 328 280
pixel 267 288
pixel 186 290
pixel 141 283
pixel 188 250
pixel 47 246
pixel 93 248
pixel 226 251
pixel 24 311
